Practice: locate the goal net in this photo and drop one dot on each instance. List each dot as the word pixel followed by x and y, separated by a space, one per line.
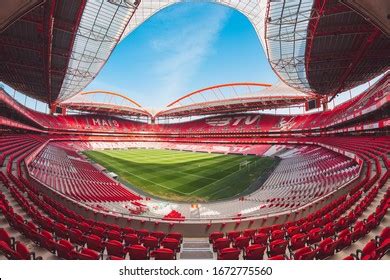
pixel 244 164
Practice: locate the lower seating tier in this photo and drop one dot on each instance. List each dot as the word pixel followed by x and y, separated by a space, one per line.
pixel 65 234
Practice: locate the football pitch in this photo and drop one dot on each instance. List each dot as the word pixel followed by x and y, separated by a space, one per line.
pixel 183 176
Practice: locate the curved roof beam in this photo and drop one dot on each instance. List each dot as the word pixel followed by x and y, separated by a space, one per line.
pixel 234 97
pixel 215 87
pixel 113 94
pixel 85 101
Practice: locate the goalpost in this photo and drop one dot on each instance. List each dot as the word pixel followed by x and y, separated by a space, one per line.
pixel 244 164
pixel 247 164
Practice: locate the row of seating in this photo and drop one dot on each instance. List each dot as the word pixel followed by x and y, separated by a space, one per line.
pixel 76 178
pixel 207 147
pixel 375 249
pixel 327 232
pixel 75 237
pixel 307 174
pixel 15 250
pixel 318 242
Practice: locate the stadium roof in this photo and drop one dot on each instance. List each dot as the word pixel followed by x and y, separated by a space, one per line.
pixel 100 101
pixel 36 48
pixel 226 98
pixel 233 98
pixel 54 50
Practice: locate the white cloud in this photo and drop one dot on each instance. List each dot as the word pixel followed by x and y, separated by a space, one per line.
pixel 184 44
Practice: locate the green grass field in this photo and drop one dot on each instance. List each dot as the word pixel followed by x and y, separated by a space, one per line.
pixel 183 176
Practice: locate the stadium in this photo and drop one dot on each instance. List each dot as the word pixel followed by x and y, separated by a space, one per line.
pixel 216 173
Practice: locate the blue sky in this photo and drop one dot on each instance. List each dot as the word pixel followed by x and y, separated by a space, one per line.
pixel 183 48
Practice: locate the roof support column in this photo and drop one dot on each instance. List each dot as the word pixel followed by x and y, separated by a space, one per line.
pixel 48 45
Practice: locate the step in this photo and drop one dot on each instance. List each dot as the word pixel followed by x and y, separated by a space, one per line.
pixel 196 248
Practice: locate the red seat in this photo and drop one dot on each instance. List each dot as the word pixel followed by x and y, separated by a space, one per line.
pixel 65 249
pixel 8 252
pixel 277 234
pixel 341 224
pixel 326 248
pixel 158 234
pixel 249 232
pixel 22 250
pixel 138 252
pixel 383 241
pixel 84 227
pixel 344 240
pixel 87 254
pixel 359 231
pixel 30 230
pixel 163 254
pixel 241 242
pixel 127 230
pixel 314 236
pixel 385 234
pixel 18 222
pixel 349 258
pixel 20 253
pixel 142 233
pixel 369 252
pixel 150 242
pixel 372 222
pixel 4 236
pixel 94 242
pixel 277 247
pixel 254 252
pixel 176 235
pixel 76 237
pixel 328 230
pixel 114 258
pixel 232 235
pixel 61 231
pixel 115 248
pixel 265 230
pixel 260 238
pixel 278 258
pixel 298 241
pixel 131 239
pixel 99 231
pixel 215 235
pixel 305 253
pixel 47 241
pixel 307 226
pixel 293 230
pixel 229 254
pixel 32 233
pixel 114 235
pixel 220 244
pixel 171 243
